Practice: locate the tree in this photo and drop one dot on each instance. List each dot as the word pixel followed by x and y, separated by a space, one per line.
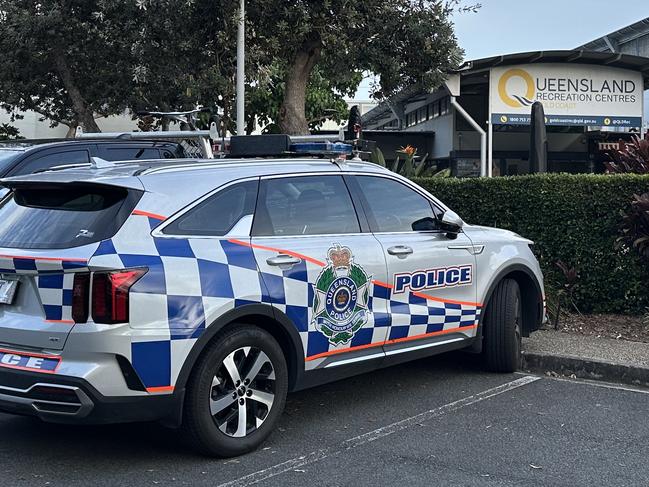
pixel 403 42
pixel 264 101
pixel 63 60
pixel 73 61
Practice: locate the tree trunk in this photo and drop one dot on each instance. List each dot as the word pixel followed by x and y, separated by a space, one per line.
pixel 83 113
pixel 292 114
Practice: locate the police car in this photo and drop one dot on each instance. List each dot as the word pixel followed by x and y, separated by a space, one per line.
pixel 199 293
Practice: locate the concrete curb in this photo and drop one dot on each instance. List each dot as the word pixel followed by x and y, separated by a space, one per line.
pixel 567 365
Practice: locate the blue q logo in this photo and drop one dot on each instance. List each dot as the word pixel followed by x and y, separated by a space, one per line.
pixel 341 295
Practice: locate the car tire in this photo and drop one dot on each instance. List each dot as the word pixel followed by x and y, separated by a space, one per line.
pixel 502 327
pixel 236 393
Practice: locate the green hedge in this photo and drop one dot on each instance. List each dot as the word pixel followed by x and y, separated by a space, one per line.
pixel 573 218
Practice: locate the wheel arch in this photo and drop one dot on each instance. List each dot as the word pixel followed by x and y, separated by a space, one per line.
pixel 531 296
pixel 265 317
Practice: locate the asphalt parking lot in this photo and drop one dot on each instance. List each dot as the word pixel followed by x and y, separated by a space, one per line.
pixel 438 421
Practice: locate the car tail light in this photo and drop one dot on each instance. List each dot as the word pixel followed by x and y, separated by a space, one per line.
pixel 80 297
pixel 110 295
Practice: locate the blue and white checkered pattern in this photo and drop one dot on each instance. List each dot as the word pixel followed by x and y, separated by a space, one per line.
pixel 292 292
pixel 191 282
pixel 35 265
pixel 55 291
pixel 413 315
pixel 54 281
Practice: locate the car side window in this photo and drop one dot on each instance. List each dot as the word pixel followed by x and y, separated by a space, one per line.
pixel 394 207
pixel 129 153
pixel 307 205
pixel 218 214
pixel 52 159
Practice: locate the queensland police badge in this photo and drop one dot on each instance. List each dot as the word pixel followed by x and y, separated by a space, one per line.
pixel 340 302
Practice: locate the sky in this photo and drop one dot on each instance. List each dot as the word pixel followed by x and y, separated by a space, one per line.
pixel 508 26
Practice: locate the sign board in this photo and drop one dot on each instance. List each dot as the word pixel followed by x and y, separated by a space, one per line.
pixel 572 94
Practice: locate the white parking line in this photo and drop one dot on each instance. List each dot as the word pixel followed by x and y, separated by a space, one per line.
pixel 357 441
pixel 604 385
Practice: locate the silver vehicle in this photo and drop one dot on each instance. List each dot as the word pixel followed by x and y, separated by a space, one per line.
pixel 199 293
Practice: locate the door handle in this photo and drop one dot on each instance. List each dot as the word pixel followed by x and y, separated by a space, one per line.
pixel 400 250
pixel 283 259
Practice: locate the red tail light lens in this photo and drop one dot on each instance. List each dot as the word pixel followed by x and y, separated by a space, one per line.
pixel 110 295
pixel 80 297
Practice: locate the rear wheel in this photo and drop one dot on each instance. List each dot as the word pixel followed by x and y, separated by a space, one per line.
pixel 502 328
pixel 236 393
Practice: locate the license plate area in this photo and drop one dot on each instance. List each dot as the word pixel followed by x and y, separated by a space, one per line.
pixel 8 289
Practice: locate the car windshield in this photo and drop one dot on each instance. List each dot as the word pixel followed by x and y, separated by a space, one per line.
pixel 7 157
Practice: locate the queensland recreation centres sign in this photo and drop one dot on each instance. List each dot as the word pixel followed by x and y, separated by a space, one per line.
pixel 571 94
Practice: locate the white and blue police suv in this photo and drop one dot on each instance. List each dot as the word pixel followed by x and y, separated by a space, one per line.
pixel 199 293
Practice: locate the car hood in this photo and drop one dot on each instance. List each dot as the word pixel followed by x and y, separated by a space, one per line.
pixel 479 232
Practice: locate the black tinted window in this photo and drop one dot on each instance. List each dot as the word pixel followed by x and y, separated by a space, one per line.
pixel 129 153
pixel 394 207
pixel 52 159
pixel 61 216
pixel 309 205
pixel 218 214
pixel 7 158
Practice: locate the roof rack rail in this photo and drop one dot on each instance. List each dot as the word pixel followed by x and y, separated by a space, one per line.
pixel 203 137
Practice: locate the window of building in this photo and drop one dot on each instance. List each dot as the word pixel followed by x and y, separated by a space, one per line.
pixel 445 106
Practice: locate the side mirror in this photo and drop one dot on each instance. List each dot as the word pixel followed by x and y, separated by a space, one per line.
pixel 451 223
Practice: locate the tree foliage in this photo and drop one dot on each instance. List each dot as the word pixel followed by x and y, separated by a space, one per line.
pixel 73 61
pixel 403 42
pixel 63 60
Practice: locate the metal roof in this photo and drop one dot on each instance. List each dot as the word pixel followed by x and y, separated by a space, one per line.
pixel 574 56
pixel 611 42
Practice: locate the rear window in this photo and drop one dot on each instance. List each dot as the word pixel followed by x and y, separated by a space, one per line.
pixel 7 158
pixel 63 216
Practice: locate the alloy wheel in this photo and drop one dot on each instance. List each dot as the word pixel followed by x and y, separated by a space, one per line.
pixel 242 392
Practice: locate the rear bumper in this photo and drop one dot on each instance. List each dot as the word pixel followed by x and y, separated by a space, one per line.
pixel 64 399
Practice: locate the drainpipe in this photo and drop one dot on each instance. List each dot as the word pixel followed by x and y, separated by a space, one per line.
pixel 481 131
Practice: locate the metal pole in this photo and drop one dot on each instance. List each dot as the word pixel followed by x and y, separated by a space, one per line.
pixel 480 130
pixel 241 82
pixel 490 154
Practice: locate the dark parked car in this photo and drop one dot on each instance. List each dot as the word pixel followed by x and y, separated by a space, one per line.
pixel 29 156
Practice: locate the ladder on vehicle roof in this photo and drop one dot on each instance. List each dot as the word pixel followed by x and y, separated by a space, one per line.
pixel 202 137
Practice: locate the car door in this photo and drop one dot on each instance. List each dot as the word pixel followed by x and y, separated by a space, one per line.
pixel 321 270
pixel 431 276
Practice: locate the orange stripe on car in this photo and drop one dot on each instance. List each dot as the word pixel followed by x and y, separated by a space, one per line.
pixel 442 300
pixel 55 259
pixel 150 215
pixel 280 251
pixel 390 342
pixel 160 389
pixel 322 264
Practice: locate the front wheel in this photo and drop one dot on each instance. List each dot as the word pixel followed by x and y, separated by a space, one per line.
pixel 236 393
pixel 502 327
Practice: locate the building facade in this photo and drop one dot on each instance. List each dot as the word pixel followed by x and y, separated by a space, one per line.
pixel 478 123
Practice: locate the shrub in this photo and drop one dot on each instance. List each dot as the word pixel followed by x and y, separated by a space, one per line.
pixel 632 157
pixel 635 226
pixel 571 218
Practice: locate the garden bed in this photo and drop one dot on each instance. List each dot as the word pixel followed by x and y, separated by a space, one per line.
pixel 620 327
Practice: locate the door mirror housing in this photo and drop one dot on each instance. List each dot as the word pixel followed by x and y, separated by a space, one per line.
pixel 451 223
